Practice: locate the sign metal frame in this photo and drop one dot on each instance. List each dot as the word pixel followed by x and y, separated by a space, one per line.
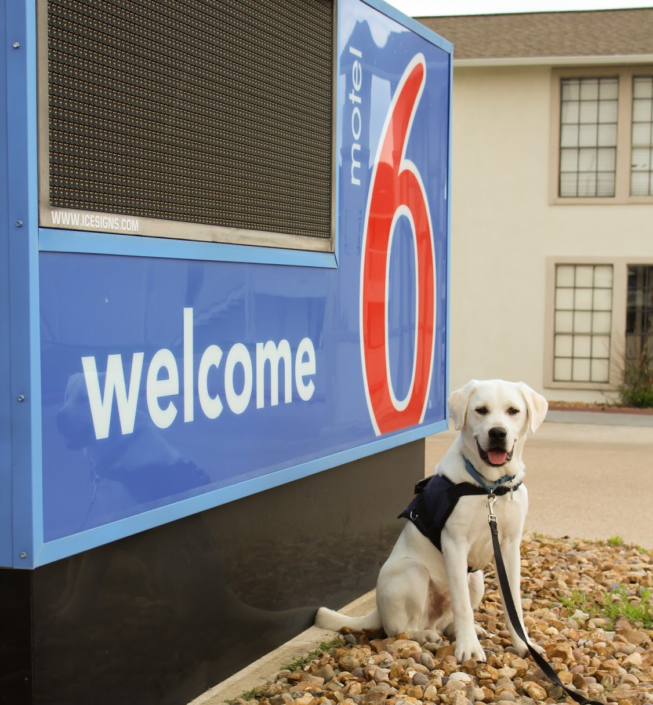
pixel 21 483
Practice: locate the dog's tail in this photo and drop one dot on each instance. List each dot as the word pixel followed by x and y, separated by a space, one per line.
pixel 330 619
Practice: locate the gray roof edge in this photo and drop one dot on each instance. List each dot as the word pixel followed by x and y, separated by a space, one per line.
pixel 576 60
pixel 536 12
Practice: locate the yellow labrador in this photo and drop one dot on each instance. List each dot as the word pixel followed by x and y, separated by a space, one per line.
pixel 424 588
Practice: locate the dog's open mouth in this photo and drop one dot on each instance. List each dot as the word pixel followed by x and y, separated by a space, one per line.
pixel 494 456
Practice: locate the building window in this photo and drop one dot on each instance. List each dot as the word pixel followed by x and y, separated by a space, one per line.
pixel 641 175
pixel 602 136
pixel 588 136
pixel 639 314
pixel 582 323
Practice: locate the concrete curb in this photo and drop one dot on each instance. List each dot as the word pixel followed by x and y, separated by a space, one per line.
pixel 268 666
pixel 601 419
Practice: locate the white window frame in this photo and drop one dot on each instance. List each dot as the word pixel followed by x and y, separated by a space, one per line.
pixel 625 75
pixel 618 330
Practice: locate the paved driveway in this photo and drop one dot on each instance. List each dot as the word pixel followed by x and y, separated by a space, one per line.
pixel 585 480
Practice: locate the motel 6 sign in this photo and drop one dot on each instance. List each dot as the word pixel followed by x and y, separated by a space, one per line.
pixel 171 384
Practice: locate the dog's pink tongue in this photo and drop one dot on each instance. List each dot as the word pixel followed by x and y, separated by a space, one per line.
pixel 497 457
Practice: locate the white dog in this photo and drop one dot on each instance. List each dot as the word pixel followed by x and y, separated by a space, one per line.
pixel 422 588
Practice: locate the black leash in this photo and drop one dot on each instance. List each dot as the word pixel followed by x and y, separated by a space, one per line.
pixel 512 611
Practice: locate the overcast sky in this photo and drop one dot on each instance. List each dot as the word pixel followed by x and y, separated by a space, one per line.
pixel 422 8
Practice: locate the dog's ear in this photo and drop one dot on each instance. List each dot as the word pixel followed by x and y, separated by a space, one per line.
pixel 536 404
pixel 458 402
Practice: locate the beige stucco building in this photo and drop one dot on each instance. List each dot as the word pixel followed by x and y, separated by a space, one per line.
pixel 552 197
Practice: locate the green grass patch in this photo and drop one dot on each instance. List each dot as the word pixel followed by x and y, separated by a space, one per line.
pixel 247 695
pixel 578 600
pixel 618 603
pixel 615 541
pixel 325 647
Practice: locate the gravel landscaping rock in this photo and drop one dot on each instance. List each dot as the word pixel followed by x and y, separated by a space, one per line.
pixel 584 603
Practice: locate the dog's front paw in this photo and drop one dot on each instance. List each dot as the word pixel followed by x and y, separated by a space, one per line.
pixel 537 648
pixel 467 648
pixel 426 635
pixel 522 649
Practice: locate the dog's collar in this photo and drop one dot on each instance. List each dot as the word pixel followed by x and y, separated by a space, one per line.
pixel 484 482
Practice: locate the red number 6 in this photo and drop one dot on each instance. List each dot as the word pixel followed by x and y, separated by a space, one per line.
pixel 397 190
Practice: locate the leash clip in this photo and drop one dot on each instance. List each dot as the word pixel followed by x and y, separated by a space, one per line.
pixel 491 499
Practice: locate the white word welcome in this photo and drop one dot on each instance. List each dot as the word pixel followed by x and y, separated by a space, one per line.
pixel 162 381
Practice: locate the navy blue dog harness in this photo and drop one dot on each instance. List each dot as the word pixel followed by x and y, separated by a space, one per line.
pixel 435 498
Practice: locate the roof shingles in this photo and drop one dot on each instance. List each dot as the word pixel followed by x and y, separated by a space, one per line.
pixel 548 34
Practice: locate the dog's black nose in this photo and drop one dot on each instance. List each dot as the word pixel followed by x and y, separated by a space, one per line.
pixel 497 435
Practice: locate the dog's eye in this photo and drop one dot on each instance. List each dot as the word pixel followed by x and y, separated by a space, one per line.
pixel 512 411
pixel 482 410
